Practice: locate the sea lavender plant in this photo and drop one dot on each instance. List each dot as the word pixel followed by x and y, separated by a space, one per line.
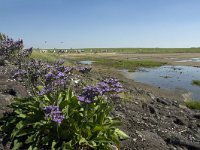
pixel 8 47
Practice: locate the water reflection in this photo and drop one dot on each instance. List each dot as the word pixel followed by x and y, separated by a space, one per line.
pixel 190 60
pixel 169 77
pixel 86 62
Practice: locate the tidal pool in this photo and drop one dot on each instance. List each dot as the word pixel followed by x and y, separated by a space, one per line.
pixel 86 62
pixel 190 60
pixel 169 77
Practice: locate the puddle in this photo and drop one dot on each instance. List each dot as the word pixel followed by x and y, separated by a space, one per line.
pixel 86 62
pixel 171 58
pixel 169 77
pixel 190 60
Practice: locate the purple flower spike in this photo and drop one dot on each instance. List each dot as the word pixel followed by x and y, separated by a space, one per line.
pixel 19 73
pixel 54 114
pixel 60 75
pixel 89 94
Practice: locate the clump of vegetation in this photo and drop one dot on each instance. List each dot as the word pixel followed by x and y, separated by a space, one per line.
pixel 50 57
pixel 59 114
pixel 12 50
pixel 131 65
pixel 47 56
pixel 193 104
pixel 196 82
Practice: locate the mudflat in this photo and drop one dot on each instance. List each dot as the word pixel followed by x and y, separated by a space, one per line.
pixel 170 58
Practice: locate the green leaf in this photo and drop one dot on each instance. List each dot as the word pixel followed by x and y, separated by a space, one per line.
pixel 39 88
pixel 67 146
pixel 19 125
pixel 32 148
pixel 97 128
pixel 38 124
pixel 22 115
pixel 16 145
pixel 69 94
pixel 29 139
pixel 102 139
pixel 23 133
pixel 14 133
pixel 121 134
pixel 115 122
pixel 53 145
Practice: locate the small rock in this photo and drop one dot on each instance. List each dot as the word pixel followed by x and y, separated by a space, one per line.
pixel 162 101
pixel 197 116
pixel 152 109
pixel 152 96
pixel 153 141
pixel 179 121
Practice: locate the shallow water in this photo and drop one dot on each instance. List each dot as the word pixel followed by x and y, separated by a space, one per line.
pixel 169 77
pixel 86 62
pixel 190 60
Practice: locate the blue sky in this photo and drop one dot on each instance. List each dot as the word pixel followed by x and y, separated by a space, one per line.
pixel 102 23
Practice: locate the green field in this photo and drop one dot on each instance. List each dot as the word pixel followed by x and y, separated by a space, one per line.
pixel 138 50
pixel 144 50
pixel 130 65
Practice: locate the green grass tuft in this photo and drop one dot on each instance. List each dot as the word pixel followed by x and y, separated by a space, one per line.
pixel 196 82
pixel 193 104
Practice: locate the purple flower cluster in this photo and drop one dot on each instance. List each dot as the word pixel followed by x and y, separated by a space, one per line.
pixel 109 87
pixel 26 52
pixel 8 46
pixel 89 94
pixel 85 69
pixel 54 113
pixel 56 78
pixel 64 69
pixel 51 76
pixel 19 73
